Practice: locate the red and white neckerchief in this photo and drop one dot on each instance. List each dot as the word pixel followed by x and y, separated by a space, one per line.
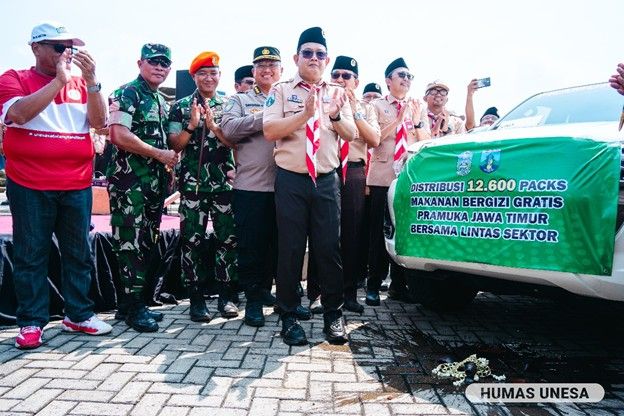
pixel 400 142
pixel 313 131
pixel 343 147
pixel 369 155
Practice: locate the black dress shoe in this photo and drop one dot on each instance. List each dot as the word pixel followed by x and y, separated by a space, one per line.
pixel 334 328
pixel 372 298
pixel 292 333
pixel 267 298
pixel 253 314
pixel 139 318
pixel 316 307
pixel 122 313
pixel 352 305
pixel 198 309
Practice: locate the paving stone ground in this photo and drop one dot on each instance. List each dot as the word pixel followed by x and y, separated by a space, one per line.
pixel 227 368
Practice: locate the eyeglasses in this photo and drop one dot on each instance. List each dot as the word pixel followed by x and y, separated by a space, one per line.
pixel 164 63
pixel 267 65
pixel 345 75
pixel 58 47
pixel 309 53
pixel 438 91
pixel 247 81
pixel 405 75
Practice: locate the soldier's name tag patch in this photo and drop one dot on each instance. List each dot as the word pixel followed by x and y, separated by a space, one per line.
pixel 253 105
pixel 294 99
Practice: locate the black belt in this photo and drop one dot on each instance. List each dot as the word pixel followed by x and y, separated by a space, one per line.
pixel 318 175
pixel 357 164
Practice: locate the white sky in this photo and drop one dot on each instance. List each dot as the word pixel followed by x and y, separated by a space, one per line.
pixel 524 46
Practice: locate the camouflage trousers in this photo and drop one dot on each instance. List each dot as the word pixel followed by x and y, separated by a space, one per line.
pixel 194 211
pixel 135 221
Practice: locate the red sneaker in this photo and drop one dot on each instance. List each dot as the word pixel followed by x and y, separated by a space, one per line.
pixel 92 326
pixel 29 338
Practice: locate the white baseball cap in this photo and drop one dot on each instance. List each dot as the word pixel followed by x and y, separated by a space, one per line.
pixel 52 31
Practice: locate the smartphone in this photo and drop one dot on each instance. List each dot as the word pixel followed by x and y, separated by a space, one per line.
pixel 72 51
pixel 483 82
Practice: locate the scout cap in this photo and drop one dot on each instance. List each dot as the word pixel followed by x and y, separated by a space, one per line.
pixel 313 34
pixel 346 62
pixel 52 31
pixel 266 52
pixel 397 63
pixel 152 50
pixel 436 84
pixel 372 87
pixel 243 72
pixel 204 59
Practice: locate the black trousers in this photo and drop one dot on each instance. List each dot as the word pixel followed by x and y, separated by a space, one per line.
pixel 378 258
pixel 307 211
pixel 256 232
pixel 352 232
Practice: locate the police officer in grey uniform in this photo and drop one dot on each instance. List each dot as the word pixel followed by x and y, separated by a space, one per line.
pixel 254 199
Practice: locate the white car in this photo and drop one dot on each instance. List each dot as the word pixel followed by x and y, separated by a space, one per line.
pixel 530 204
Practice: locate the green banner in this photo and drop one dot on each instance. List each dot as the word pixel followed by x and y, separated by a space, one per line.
pixel 545 203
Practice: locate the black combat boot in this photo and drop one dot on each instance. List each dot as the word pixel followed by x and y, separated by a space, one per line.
pixel 139 318
pixel 124 305
pixel 198 310
pixel 253 308
pixel 351 304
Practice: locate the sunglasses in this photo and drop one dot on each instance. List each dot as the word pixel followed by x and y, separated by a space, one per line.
pixel 437 91
pixel 345 75
pixel 309 53
pixel 405 75
pixel 59 47
pixel 248 81
pixel 159 61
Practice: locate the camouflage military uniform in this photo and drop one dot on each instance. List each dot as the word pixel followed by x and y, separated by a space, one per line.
pixel 136 183
pixel 211 194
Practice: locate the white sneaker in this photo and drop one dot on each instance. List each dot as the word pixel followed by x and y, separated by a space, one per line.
pixel 92 326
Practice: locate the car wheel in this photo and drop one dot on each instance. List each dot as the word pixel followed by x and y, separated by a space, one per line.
pixel 439 290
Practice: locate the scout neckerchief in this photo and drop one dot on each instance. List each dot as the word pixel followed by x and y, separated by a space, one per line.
pixel 343 153
pixel 313 132
pixel 400 142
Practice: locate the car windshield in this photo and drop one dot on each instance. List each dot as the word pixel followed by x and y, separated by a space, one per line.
pixel 590 103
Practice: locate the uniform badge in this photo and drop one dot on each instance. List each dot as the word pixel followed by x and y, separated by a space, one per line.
pixel 409 124
pixel 229 106
pixel 270 99
pixel 490 160
pixel 265 51
pixel 353 63
pixel 295 99
pixel 464 163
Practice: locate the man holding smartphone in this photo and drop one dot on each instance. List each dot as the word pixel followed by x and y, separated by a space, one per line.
pixel 49 168
pixel 440 121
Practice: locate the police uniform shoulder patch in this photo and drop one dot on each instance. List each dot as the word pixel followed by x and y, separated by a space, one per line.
pixel 229 106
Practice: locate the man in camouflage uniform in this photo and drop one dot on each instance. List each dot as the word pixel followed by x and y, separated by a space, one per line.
pixel 138 177
pixel 204 185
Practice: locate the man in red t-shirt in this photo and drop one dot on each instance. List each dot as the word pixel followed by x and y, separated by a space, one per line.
pixel 49 166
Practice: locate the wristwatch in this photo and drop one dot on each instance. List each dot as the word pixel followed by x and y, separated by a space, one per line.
pixel 358 116
pixel 419 125
pixel 94 88
pixel 335 119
